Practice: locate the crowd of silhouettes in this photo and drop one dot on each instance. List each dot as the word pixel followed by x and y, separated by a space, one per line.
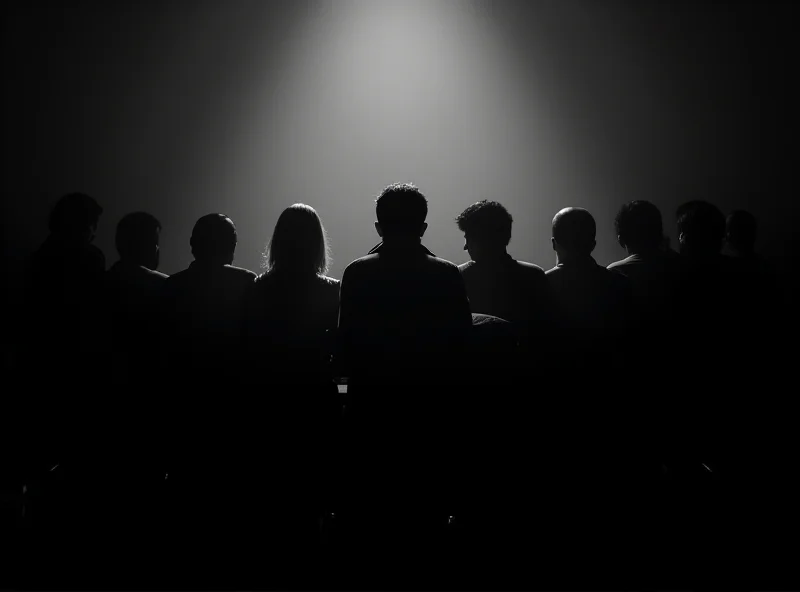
pixel 290 429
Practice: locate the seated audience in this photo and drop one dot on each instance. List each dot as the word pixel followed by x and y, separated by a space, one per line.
pixel 62 348
pixel 404 319
pixel 208 412
pixel 594 419
pixel 290 317
pixel 496 283
pixel 132 288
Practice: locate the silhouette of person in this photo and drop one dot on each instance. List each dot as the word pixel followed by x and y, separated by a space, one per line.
pixel 202 315
pixel 132 288
pixel 203 304
pixel 291 311
pixel 709 296
pixel 496 283
pixel 651 271
pixel 294 303
pixel 654 274
pixel 404 318
pixel 592 306
pixel 591 303
pixel 63 362
pixel 63 318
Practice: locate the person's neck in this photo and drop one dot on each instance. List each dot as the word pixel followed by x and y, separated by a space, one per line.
pixel 643 252
pixel 401 241
pixel 572 259
pixel 493 256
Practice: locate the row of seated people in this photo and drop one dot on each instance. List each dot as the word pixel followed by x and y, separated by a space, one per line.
pixel 522 409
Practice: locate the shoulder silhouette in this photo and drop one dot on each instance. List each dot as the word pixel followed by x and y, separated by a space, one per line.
pixel 294 302
pixel 404 318
pixel 203 304
pixel 132 289
pixel 400 299
pixel 590 301
pixel 496 283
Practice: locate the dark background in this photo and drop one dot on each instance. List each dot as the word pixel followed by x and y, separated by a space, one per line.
pixel 187 107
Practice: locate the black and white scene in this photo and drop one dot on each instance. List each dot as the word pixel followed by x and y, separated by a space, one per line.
pixel 399 295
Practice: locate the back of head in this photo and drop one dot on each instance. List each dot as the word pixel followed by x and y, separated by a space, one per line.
pixel 401 209
pixel 702 229
pixel 75 217
pixel 214 239
pixel 687 207
pixel 639 227
pixel 574 231
pixel 137 239
pixel 486 222
pixel 741 229
pixel 299 242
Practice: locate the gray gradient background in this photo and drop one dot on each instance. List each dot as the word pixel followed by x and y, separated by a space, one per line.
pixel 244 107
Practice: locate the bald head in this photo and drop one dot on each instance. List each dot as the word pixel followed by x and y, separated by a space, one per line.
pixel 574 231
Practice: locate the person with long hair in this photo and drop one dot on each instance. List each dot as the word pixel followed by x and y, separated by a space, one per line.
pixel 293 303
pixel 291 314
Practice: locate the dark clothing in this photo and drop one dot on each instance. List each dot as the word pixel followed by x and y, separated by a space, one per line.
pixel 400 310
pixel 591 308
pixel 404 321
pixel 292 316
pixel 132 293
pixel 62 351
pixel 202 314
pixel 596 419
pixel 712 312
pixel 509 289
pixel 653 280
pixel 211 417
pixel 652 341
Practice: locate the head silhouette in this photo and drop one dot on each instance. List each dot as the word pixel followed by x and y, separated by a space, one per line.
pixel 701 229
pixel 487 229
pixel 401 209
pixel 137 239
pixel 639 227
pixel 299 242
pixel 74 218
pixel 574 231
pixel 214 239
pixel 740 231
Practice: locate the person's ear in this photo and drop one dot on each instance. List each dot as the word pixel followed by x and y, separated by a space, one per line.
pixel 423 229
pixel 620 241
pixel 681 238
pixel 554 243
pixel 378 229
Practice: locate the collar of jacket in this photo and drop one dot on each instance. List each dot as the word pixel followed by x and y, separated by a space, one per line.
pixel 377 249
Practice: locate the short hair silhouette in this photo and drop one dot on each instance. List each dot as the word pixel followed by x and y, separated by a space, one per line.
pixel 638 225
pixel 137 239
pixel 74 213
pixel 686 207
pixel 741 227
pixel 299 242
pixel 486 221
pixel 702 226
pixel 574 229
pixel 401 209
pixel 214 237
